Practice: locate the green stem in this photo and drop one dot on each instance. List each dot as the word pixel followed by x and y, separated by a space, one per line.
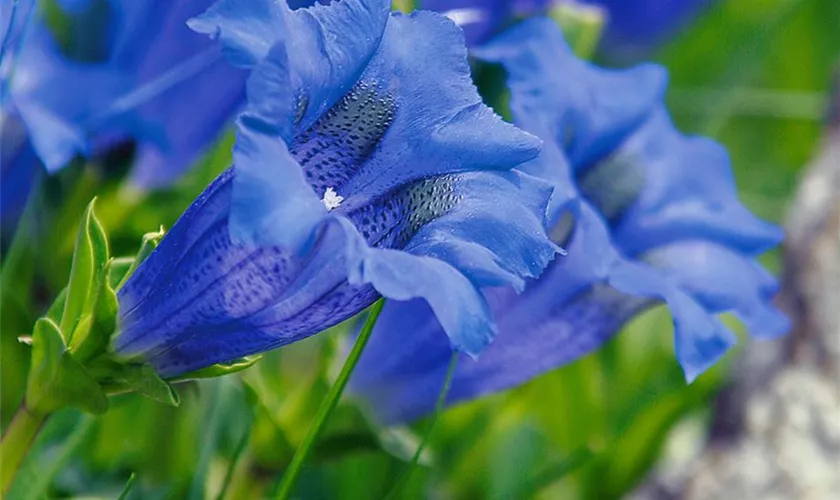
pixel 441 400
pixel 328 405
pixel 15 443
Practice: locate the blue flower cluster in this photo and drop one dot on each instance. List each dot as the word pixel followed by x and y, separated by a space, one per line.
pixel 366 165
pixel 648 215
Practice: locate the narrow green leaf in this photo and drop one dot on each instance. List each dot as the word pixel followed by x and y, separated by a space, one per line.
pixel 234 461
pixel 554 472
pixel 40 467
pixel 128 486
pixel 224 397
pixel 402 443
pixel 18 310
pixel 57 308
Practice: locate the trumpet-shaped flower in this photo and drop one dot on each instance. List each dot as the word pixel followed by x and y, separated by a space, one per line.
pixel 365 165
pixel 648 216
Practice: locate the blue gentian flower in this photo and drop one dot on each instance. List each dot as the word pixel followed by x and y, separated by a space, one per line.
pixel 647 214
pixel 131 71
pixel 365 165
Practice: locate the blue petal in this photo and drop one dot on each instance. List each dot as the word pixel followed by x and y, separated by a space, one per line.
pixel 398 275
pixel 689 192
pixel 272 201
pixel 182 93
pixel 14 21
pixel 499 215
pixel 412 127
pixel 489 238
pixel 564 315
pixel 207 211
pixel 55 118
pixel 19 168
pixel 700 339
pixel 200 299
pixel 723 280
pixel 578 102
pixel 328 47
pixel 559 318
pixel 440 124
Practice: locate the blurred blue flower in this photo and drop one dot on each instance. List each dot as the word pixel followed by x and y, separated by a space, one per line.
pixel 178 93
pixel 647 214
pixel 633 28
pixel 365 165
pixel 34 123
pixel 124 70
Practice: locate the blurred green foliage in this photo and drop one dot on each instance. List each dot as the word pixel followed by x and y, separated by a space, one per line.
pixel 751 73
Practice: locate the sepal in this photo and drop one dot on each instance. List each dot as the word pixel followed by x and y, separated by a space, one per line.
pixel 118 378
pixel 220 369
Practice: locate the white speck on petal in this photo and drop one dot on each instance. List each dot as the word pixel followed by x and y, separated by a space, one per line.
pixel 463 17
pixel 332 199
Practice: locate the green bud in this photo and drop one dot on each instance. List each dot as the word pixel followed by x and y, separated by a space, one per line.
pixel 87 272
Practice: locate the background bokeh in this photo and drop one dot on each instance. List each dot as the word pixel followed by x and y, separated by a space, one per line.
pixel 753 74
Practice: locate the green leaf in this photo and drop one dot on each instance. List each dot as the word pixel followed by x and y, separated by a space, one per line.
pixel 220 369
pixel 89 261
pixel 56 380
pixel 46 461
pixel 99 326
pixel 17 285
pixel 128 486
pixel 57 307
pixel 552 472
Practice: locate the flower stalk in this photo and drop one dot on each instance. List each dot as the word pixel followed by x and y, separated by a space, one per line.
pixel 329 404
pixel 15 443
